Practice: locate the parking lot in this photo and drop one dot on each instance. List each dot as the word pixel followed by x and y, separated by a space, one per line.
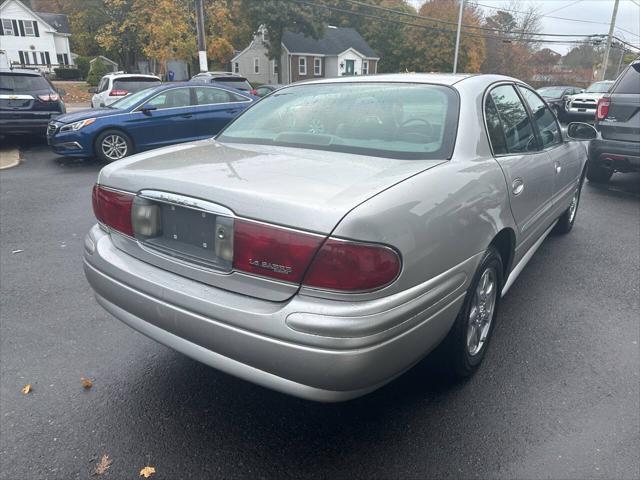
pixel 557 396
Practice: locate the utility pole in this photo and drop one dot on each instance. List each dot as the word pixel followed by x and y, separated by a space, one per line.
pixel 202 49
pixel 455 56
pixel 605 60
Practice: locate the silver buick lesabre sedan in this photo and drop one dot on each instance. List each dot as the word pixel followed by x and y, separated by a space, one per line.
pixel 338 230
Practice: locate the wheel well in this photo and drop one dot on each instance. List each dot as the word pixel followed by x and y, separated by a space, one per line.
pixel 505 241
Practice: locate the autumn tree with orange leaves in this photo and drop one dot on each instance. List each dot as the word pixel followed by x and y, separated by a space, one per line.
pixel 433 48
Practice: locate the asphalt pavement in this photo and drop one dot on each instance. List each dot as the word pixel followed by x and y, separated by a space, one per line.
pixel 557 397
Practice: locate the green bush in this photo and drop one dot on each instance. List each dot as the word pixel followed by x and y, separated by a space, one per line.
pixel 82 63
pixel 67 73
pixel 96 73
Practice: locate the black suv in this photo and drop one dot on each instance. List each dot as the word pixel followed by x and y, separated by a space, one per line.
pixel 617 148
pixel 28 101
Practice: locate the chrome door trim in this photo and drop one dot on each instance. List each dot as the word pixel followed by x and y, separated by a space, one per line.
pixel 185 201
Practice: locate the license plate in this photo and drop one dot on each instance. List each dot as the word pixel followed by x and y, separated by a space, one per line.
pixel 190 234
pixel 582 109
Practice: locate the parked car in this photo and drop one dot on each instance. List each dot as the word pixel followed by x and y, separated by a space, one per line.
pixel 114 86
pixel 617 148
pixel 28 101
pixel 322 256
pixel 155 117
pixel 263 90
pixel 226 79
pixel 583 105
pixel 556 98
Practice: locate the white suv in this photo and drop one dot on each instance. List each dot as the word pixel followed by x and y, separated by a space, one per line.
pixel 114 86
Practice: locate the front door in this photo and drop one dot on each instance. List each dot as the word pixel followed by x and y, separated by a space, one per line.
pixel 349 67
pixel 171 120
pixel 528 170
pixel 564 156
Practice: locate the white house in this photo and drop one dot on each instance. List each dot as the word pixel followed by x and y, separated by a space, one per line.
pixel 33 38
pixel 340 51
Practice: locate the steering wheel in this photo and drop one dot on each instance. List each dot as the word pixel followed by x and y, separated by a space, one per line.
pixel 423 135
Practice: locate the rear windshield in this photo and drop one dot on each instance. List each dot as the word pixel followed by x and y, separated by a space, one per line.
pixel 239 83
pixel 134 84
pixel 630 80
pixel 599 87
pixel 393 120
pixel 15 82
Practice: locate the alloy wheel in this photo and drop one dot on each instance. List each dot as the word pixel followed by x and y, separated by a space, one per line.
pixel 481 311
pixel 114 147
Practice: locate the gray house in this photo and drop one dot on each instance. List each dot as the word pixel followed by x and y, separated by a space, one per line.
pixel 340 51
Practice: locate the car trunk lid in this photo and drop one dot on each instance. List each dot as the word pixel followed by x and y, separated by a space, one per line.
pixel 198 185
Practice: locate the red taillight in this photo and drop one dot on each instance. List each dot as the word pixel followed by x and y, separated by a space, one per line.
pixel 118 93
pixel 113 208
pixel 49 97
pixel 253 91
pixel 273 251
pixel 603 109
pixel 352 266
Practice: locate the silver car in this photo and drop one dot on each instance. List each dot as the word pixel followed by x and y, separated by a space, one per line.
pixel 338 230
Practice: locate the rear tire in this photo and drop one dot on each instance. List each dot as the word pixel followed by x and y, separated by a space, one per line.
pixel 598 173
pixel 465 346
pixel 112 145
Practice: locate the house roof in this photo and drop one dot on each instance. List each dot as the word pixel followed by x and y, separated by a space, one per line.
pixel 334 41
pixel 59 21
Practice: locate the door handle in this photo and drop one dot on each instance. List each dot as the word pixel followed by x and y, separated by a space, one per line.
pixel 187 115
pixel 558 167
pixel 517 186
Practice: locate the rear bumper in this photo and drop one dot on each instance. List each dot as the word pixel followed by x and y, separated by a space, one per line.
pixel 24 126
pixel 308 347
pixel 619 155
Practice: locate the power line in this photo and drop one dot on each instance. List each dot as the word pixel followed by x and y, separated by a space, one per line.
pixel 560 8
pixel 447 22
pixel 427 27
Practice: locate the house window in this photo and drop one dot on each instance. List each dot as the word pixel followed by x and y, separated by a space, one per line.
pixel 274 67
pixel 317 66
pixel 29 31
pixel 7 27
pixel 61 59
pixel 256 65
pixel 365 67
pixel 236 67
pixel 24 58
pixel 302 65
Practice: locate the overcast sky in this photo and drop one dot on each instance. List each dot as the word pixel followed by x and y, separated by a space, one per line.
pixel 597 11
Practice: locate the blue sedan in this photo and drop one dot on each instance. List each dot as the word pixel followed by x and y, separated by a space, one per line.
pixel 151 118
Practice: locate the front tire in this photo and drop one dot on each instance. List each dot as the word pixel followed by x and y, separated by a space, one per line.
pixel 112 145
pixel 568 218
pixel 465 346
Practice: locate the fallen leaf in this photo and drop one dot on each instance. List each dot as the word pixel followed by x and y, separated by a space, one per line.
pixel 146 472
pixel 86 383
pixel 103 465
pixel 26 389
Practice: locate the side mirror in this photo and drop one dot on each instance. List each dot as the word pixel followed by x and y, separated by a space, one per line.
pixel 102 105
pixel 61 91
pixel 582 90
pixel 93 90
pixel 148 109
pixel 581 131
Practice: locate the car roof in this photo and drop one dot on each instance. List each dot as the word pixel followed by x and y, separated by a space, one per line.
pixel 23 71
pixel 121 74
pixel 449 79
pixel 168 85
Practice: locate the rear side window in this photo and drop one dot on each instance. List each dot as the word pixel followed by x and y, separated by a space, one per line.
pixel 239 83
pixel 630 80
pixel 134 84
pixel 212 96
pixel 15 82
pixel 544 118
pixel 515 121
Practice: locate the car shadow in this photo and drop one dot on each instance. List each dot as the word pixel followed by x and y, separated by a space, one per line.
pixel 621 184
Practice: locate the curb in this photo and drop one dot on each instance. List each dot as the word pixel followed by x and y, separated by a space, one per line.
pixel 9 158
